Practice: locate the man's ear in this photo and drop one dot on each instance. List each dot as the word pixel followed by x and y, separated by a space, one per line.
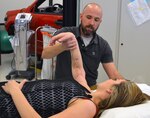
pixel 81 14
pixel 100 20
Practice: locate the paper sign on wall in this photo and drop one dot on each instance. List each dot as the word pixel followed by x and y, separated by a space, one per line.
pixel 140 11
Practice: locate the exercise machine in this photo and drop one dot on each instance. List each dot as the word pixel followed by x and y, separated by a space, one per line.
pixel 21 47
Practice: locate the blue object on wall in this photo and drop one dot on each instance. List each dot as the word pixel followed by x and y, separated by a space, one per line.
pixel 145 0
pixel 131 0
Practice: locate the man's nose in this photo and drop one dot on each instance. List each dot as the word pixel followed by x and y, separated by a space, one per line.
pixel 92 22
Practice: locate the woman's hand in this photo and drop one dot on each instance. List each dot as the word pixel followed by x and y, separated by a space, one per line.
pixel 12 85
pixel 67 39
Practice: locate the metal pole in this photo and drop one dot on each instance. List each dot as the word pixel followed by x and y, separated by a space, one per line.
pixel 119 10
pixel 50 2
pixel 35 60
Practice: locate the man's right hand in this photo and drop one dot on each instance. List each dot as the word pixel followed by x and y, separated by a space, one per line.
pixel 67 39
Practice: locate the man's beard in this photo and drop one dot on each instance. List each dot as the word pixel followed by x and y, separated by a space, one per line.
pixel 85 30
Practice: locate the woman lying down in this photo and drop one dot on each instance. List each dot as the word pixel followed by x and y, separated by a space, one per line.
pixel 65 98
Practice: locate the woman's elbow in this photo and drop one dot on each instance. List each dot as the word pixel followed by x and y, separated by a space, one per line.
pixel 44 55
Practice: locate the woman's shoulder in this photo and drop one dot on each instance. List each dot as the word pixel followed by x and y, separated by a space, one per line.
pixel 85 105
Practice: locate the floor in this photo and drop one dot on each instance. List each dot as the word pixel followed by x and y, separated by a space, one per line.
pixel 7 65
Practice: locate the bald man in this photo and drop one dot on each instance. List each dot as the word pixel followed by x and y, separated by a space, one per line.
pixel 94 49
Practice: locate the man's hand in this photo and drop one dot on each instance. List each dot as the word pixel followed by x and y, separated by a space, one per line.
pixel 67 39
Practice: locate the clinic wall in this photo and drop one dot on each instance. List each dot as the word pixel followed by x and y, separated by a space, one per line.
pixel 6 5
pixel 134 46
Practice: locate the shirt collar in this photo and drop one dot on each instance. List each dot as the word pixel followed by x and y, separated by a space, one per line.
pixel 78 35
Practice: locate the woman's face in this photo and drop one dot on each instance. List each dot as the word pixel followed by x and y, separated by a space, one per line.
pixel 125 94
pixel 106 88
pixel 109 83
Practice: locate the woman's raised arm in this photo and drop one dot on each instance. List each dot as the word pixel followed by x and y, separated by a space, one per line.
pixel 77 67
pixel 69 42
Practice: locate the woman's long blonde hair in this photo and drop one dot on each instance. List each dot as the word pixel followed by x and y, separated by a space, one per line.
pixel 125 94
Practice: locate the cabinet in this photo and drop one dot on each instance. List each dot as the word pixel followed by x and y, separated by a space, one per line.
pixel 134 47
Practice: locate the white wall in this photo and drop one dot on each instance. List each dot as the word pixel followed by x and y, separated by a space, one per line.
pixel 6 5
pixel 134 55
